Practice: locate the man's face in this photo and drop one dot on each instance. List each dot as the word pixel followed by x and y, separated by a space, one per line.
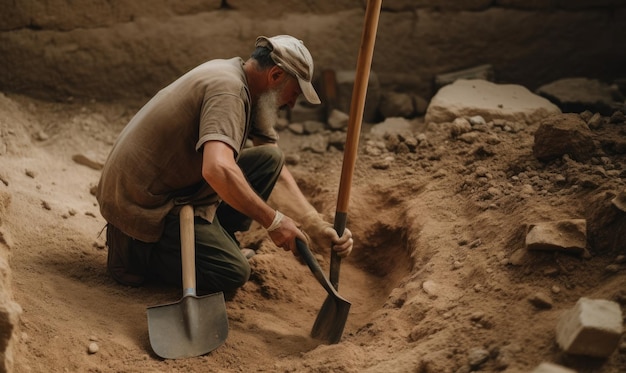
pixel 289 91
pixel 284 93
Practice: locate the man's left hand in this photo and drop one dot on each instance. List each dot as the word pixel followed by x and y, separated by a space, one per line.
pixel 323 234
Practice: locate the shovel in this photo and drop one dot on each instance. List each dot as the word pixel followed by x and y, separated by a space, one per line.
pixel 324 328
pixel 335 307
pixel 194 325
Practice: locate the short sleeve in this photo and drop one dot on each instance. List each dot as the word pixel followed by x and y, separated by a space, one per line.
pixel 223 118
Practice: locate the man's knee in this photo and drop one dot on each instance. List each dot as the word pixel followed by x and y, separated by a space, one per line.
pixel 275 155
pixel 263 157
pixel 226 279
pixel 239 276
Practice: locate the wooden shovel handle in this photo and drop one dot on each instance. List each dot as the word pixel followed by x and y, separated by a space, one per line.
pixel 357 106
pixel 364 64
pixel 188 250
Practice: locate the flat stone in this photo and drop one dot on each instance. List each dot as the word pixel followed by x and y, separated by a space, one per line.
pixel 564 235
pixel 471 97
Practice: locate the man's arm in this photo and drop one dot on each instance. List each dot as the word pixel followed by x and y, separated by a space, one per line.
pixel 222 173
pixel 290 200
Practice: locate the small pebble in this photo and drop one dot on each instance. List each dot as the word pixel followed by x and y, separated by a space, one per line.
pixel 551 271
pixel 474 244
pixel 42 136
pixel 541 301
pixel 93 348
pixel 477 356
pixel 430 288
pixel 612 268
pixel 292 159
pixel 381 165
pixel 477 316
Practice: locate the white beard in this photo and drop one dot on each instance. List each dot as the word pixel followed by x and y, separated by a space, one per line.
pixel 266 112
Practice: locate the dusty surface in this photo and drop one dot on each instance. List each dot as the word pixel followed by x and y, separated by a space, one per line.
pixel 437 278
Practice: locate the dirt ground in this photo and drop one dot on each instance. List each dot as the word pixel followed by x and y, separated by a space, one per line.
pixel 438 280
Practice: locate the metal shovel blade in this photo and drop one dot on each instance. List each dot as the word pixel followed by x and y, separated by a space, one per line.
pixel 331 319
pixel 334 312
pixel 193 326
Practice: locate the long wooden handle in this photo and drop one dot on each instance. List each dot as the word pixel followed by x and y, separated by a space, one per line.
pixel 364 64
pixel 188 250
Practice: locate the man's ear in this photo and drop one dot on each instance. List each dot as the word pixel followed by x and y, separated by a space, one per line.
pixel 275 75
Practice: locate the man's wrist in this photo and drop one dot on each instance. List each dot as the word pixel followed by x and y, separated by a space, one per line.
pixel 310 218
pixel 278 217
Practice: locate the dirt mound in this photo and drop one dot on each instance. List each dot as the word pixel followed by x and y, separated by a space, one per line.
pixel 439 279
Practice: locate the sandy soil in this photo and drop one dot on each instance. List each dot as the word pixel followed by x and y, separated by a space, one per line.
pixel 438 277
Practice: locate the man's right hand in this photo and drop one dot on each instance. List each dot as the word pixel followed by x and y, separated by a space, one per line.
pixel 285 234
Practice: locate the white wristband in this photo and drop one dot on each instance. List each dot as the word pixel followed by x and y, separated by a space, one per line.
pixel 276 222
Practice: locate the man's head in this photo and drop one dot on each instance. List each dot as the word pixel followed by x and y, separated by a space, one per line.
pixel 292 56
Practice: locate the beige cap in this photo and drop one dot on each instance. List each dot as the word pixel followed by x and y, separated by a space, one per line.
pixel 291 54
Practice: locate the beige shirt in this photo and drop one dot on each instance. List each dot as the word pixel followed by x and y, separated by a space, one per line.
pixel 156 162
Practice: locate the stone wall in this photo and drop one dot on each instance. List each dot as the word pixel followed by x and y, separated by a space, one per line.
pixel 115 49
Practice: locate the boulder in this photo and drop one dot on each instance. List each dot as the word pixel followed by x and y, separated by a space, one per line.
pixel 575 95
pixel 468 98
pixel 562 134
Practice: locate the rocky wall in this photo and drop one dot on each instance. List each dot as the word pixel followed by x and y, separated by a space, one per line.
pixel 9 310
pixel 116 49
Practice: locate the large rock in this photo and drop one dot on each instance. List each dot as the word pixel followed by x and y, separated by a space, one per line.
pixel 345 88
pixel 471 97
pixel 592 328
pixel 563 134
pixel 395 127
pixel 9 322
pixel 9 310
pixel 397 104
pixel 484 72
pixel 565 235
pixel 575 95
pixel 606 223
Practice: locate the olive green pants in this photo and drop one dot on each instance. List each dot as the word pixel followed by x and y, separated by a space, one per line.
pixel 220 265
